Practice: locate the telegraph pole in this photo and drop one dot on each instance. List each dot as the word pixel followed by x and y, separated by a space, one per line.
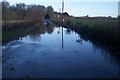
pixel 62 21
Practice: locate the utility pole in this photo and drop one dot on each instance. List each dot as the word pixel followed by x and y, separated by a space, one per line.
pixel 62 21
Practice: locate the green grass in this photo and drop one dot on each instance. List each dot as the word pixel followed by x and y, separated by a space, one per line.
pixel 103 31
pixel 94 28
pixel 16 31
pixel 107 28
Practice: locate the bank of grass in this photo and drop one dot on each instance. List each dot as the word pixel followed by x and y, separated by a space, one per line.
pixel 95 28
pixel 101 31
pixel 16 30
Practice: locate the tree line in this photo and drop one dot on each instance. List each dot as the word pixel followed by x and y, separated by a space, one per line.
pixel 22 11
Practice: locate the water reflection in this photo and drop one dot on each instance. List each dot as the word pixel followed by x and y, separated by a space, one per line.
pixel 79 58
pixel 50 29
pixel 109 56
pixel 114 57
pixel 35 35
pixel 79 41
pixel 68 31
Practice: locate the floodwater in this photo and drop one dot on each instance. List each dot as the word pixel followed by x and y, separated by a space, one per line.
pixel 43 53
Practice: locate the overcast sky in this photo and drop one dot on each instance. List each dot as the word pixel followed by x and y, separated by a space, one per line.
pixel 79 7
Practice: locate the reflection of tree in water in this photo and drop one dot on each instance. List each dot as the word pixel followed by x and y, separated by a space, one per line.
pixel 111 56
pixel 109 53
pixel 58 32
pixel 35 34
pixel 68 31
pixel 80 41
pixel 50 28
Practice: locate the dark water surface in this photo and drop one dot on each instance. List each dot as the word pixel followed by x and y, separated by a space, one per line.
pixel 40 54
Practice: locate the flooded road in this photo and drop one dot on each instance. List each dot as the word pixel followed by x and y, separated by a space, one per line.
pixel 40 54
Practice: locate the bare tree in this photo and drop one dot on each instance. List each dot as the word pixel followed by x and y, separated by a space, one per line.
pixel 50 11
pixel 36 13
